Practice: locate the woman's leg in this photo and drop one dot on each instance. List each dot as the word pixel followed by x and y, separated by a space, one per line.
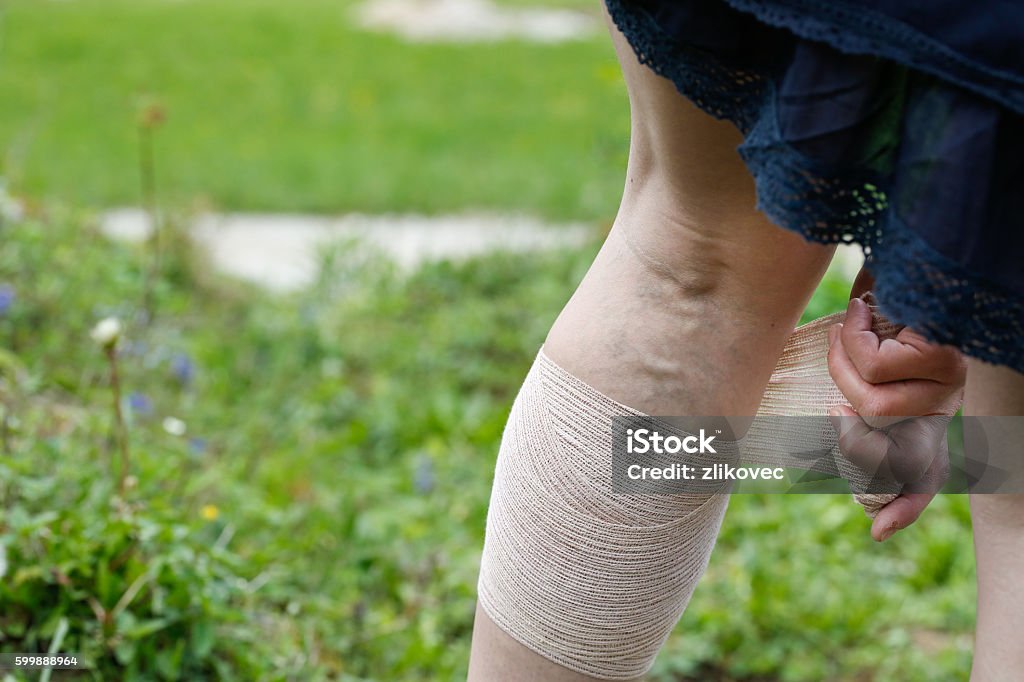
pixel 687 306
pixel 998 539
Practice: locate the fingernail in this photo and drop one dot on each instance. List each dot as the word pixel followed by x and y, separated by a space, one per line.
pixel 835 418
pixel 857 303
pixel 888 533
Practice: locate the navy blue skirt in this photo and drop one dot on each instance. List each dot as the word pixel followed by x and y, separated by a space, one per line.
pixel 896 125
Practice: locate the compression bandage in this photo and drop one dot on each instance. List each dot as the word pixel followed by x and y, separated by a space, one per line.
pixel 593 580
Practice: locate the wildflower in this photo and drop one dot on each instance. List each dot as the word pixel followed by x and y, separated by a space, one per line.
pixel 196 445
pixel 209 512
pixel 183 369
pixel 7 297
pixel 174 426
pixel 107 332
pixel 140 404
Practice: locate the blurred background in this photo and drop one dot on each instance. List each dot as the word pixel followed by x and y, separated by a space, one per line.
pixel 327 239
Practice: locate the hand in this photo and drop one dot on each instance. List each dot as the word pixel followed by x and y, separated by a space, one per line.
pixel 887 381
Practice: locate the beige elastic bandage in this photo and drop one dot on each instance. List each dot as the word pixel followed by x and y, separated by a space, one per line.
pixel 801 386
pixel 593 580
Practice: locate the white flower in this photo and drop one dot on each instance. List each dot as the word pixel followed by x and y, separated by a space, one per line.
pixel 106 332
pixel 174 426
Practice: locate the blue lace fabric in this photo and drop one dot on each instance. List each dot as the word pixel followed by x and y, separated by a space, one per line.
pixel 879 124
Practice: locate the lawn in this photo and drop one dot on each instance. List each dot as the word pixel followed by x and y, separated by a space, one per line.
pixel 284 106
pixel 307 475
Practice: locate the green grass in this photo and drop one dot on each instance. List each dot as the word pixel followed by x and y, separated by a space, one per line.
pixel 347 440
pixel 285 106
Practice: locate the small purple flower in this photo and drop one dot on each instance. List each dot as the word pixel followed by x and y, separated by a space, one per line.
pixel 140 404
pixel 7 298
pixel 196 445
pixel 183 369
pixel 423 479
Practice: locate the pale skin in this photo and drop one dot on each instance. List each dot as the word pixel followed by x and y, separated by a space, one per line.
pixel 998 522
pixel 686 309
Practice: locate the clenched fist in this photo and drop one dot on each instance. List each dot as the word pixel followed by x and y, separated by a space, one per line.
pixel 902 392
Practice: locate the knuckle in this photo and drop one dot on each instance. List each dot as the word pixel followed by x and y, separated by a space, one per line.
pixel 871 369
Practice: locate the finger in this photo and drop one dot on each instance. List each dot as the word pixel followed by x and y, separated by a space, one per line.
pixel 842 370
pixel 907 508
pixel 907 356
pixel 899 514
pixel 863 446
pixel 918 443
pixel 847 423
pixel 862 284
pixel 950 364
pixel 907 399
pixel 891 399
pixel 906 453
pixel 894 399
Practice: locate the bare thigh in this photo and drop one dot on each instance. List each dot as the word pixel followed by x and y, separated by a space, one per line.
pixel 687 306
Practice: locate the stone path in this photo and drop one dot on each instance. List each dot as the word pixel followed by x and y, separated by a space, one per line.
pixel 474 21
pixel 282 251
